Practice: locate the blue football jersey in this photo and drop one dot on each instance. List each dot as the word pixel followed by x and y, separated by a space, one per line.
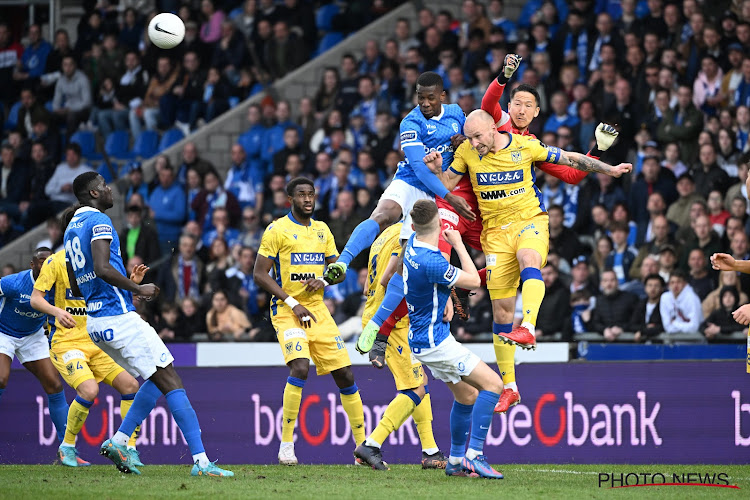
pixel 102 299
pixel 433 134
pixel 427 281
pixel 17 317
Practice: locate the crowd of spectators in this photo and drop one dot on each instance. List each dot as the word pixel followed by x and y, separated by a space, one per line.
pixel 626 255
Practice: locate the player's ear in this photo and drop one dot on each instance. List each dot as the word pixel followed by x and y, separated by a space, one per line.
pixel 443 96
pixel 413 228
pixel 536 111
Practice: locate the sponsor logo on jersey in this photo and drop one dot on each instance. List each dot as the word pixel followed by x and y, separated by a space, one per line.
pixel 76 311
pixel 448 216
pixel 443 148
pixel 450 274
pixel 294 333
pixel 409 135
pixel 301 276
pixel 495 178
pixel 84 278
pixel 553 154
pixel 491 259
pixel 28 314
pixel 101 229
pixel 502 193
pixel 69 295
pixel 94 306
pixel 73 354
pixel 307 259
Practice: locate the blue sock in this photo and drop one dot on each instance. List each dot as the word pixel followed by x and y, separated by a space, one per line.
pixel 143 403
pixel 363 237
pixel 58 412
pixel 186 419
pixel 481 417
pixel 460 424
pixel 531 273
pixel 502 328
pixel 394 294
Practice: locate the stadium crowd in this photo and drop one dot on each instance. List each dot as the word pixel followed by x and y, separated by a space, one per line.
pixel 627 255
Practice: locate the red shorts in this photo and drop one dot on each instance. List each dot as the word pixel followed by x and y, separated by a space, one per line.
pixel 471 232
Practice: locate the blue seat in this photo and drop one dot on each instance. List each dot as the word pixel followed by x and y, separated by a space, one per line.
pixel 328 41
pixel 324 17
pixel 104 171
pixel 117 145
pixel 233 101
pixel 146 144
pixel 12 121
pixel 171 136
pixel 258 87
pixel 87 141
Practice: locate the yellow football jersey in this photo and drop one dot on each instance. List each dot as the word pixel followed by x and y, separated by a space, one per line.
pixel 504 181
pixel 386 245
pixel 53 281
pixel 298 253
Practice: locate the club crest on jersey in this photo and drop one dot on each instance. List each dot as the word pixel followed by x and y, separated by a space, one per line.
pixel 415 371
pixel 516 156
pixel 455 127
pixel 495 178
pixel 288 346
pixel 321 236
pixel 70 368
pixel 307 258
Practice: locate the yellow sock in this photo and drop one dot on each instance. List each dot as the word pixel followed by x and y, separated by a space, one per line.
pixel 292 400
pixel 125 405
pixel 506 359
pixel 532 295
pixel 423 419
pixel 77 413
pixel 352 404
pixel 395 415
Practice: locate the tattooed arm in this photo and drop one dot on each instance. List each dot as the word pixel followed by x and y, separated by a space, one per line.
pixel 589 164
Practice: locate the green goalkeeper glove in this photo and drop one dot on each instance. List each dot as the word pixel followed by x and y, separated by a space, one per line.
pixel 510 65
pixel 605 136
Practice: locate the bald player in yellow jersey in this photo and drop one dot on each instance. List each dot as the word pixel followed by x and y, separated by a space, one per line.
pixel 406 370
pixel 80 362
pixel 515 233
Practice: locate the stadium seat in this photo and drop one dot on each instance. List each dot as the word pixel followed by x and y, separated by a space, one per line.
pixel 85 139
pixel 328 41
pixel 233 101
pixel 104 171
pixel 117 145
pixel 12 121
pixel 324 17
pixel 146 144
pixel 258 87
pixel 171 136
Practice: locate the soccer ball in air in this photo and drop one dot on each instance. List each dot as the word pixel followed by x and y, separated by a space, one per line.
pixel 166 30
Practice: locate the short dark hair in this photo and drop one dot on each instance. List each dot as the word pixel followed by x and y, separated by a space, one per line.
pixel 525 87
pixel 75 147
pixel 430 79
pixel 619 225
pixel 82 185
pixel 654 276
pixel 423 212
pixel 298 181
pixel 679 273
pixel 40 250
pixel 556 207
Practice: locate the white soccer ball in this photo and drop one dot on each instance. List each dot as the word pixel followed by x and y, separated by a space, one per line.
pixel 166 30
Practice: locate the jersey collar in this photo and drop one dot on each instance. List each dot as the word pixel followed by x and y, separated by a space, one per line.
pixel 421 244
pixel 85 209
pixel 442 112
pixel 31 275
pixel 291 218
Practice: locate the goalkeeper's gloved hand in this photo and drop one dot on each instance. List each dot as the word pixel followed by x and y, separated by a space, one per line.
pixel 605 136
pixel 377 353
pixel 510 64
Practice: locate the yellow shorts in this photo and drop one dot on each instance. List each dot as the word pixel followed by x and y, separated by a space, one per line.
pixel 79 362
pixel 407 371
pixel 500 245
pixel 321 342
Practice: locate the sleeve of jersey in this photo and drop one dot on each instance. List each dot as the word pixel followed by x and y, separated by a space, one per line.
pixel 411 143
pixel 46 279
pixel 268 247
pixel 331 251
pixel 101 228
pixel 458 166
pixel 440 271
pixel 491 102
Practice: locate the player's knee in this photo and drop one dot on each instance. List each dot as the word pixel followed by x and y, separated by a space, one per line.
pixel 3 381
pixel 419 391
pixel 88 390
pixel 387 213
pixel 344 377
pixel 129 386
pixel 299 370
pixel 53 386
pixel 494 384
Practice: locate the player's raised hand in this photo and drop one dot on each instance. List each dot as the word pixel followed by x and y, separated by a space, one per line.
pixel 65 318
pixel 742 315
pixel 621 169
pixel 304 316
pixel 148 291
pixel 457 140
pixel 462 206
pixel 606 135
pixel 722 262
pixel 510 64
pixel 138 273
pixel 434 162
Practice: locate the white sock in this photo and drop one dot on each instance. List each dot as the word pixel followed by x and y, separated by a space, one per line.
pixel 511 385
pixel 120 438
pixel 202 459
pixel 372 442
pixel 529 327
pixel 455 460
pixel 431 451
pixel 66 445
pixel 472 454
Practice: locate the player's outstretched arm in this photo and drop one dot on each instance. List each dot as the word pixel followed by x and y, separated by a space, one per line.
pixel 589 164
pixel 264 280
pixel 491 98
pixel 39 303
pixel 104 270
pixel 725 262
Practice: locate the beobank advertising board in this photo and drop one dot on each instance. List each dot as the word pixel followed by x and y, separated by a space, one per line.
pixel 639 413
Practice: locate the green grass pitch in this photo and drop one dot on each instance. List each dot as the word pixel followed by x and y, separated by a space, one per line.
pixel 544 481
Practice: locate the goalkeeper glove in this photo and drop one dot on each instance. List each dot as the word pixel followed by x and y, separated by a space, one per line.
pixel 510 65
pixel 377 353
pixel 605 136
